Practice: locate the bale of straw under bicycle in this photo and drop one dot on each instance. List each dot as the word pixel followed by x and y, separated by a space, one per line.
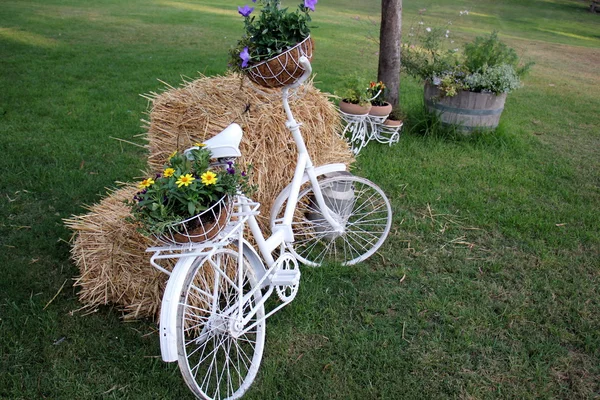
pixel 214 308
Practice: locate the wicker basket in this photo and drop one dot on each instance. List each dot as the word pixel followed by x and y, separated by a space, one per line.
pixel 201 227
pixel 283 69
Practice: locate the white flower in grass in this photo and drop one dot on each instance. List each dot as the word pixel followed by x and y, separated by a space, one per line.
pixel 428 29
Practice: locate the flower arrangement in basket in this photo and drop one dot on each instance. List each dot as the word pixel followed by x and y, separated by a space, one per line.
pixel 273 43
pixel 189 200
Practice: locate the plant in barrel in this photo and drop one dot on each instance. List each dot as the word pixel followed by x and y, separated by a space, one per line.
pixel 479 76
pixel 274 40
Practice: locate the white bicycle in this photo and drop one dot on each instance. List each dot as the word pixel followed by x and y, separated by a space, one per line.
pixel 213 315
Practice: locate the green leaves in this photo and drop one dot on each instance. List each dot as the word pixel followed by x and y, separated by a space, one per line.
pixel 487 64
pixel 497 79
pixel 354 90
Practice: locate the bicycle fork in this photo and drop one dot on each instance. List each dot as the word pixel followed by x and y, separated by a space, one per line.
pixel 275 278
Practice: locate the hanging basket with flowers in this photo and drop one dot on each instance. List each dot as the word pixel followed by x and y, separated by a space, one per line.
pixel 273 43
pixel 190 200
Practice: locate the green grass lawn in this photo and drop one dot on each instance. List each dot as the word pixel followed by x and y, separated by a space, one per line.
pixel 486 287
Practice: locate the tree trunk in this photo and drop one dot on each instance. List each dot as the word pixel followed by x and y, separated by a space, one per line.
pixel 389 48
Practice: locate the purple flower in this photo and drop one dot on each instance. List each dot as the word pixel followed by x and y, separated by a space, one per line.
pixel 243 173
pixel 245 56
pixel 230 169
pixel 247 10
pixel 310 4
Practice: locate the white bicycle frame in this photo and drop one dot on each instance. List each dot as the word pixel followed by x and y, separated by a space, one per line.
pixel 282 230
pixel 282 234
pixel 304 171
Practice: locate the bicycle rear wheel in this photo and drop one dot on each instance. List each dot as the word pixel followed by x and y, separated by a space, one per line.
pixel 215 361
pixel 357 204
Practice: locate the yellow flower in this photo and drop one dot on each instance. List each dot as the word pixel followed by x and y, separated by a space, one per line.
pixel 168 172
pixel 173 154
pixel 209 178
pixel 197 144
pixel 185 180
pixel 146 183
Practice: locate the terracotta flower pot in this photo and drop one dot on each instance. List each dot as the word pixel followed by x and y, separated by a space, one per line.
pixel 354 109
pixel 381 111
pixel 392 122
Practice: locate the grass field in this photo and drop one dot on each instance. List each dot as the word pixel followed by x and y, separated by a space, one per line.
pixel 486 288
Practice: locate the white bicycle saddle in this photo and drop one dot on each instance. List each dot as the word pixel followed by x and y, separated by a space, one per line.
pixel 225 144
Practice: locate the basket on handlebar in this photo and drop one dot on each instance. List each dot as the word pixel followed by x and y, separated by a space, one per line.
pixel 201 227
pixel 283 69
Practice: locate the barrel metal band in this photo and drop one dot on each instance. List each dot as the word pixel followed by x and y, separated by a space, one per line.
pixel 464 111
pixel 466 128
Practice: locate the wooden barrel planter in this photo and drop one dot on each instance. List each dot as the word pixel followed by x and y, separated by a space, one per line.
pixel 467 111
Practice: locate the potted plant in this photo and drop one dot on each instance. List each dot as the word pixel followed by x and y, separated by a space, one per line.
pixel 465 88
pixel 273 41
pixel 377 92
pixel 395 118
pixel 354 96
pixel 189 199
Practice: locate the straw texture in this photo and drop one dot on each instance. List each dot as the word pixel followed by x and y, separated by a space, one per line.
pixel 110 253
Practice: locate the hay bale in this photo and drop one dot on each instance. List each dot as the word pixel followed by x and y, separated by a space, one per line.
pixel 112 261
pixel 202 108
pixel 108 250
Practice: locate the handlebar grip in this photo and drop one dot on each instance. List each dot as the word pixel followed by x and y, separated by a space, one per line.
pixel 305 64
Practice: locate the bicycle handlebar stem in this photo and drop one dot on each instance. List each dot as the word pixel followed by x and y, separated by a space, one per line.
pixel 291 123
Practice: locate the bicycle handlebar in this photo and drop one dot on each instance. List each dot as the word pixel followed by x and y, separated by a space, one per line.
pixel 305 63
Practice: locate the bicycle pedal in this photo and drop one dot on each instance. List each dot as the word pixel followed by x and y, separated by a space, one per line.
pixel 286 277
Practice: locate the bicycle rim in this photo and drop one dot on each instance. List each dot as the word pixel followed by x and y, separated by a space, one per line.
pixel 214 363
pixel 358 204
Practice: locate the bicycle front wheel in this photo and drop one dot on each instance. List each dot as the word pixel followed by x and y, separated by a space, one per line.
pixel 361 208
pixel 216 361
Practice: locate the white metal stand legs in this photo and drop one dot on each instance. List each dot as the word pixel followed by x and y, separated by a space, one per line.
pixel 360 129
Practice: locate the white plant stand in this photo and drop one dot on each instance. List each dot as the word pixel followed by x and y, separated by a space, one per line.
pixel 384 133
pixel 359 130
